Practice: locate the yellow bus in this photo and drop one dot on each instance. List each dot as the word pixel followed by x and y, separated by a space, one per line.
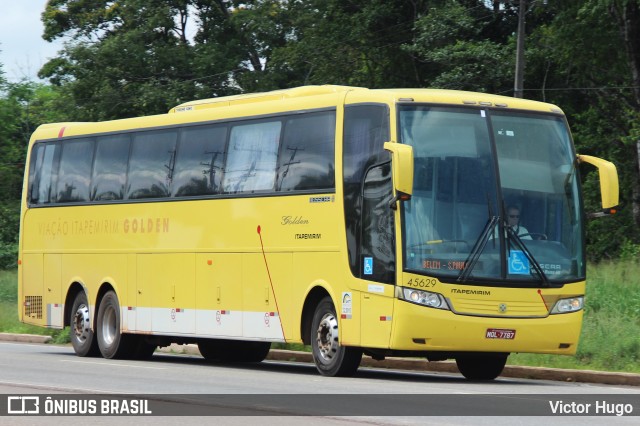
pixel 356 221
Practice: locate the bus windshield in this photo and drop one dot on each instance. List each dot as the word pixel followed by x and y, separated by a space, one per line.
pixel 495 197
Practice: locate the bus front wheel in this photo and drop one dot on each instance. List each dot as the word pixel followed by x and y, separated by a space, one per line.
pixel 331 358
pixel 481 366
pixel 82 337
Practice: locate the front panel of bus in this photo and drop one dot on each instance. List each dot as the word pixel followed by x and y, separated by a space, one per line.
pixel 491 240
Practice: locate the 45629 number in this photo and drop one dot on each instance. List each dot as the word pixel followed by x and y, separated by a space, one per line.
pixel 421 282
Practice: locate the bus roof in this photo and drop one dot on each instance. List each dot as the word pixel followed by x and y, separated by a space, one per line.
pixel 274 95
pixel 304 97
pixel 360 94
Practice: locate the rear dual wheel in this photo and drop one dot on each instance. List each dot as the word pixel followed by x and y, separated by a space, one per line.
pixel 82 337
pixel 111 341
pixel 221 350
pixel 106 337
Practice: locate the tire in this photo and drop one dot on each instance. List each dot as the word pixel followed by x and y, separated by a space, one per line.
pixel 219 350
pixel 481 367
pixel 82 336
pixel 112 343
pixel 331 358
pixel 211 349
pixel 140 348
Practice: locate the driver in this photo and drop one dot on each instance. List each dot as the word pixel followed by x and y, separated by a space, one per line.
pixel 513 220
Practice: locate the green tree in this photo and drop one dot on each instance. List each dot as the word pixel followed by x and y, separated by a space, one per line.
pixel 124 58
pixel 351 43
pixel 586 60
pixel 23 106
pixel 134 57
pixel 460 45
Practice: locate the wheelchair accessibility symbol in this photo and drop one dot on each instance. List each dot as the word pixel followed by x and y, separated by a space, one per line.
pixel 518 263
pixel 368 265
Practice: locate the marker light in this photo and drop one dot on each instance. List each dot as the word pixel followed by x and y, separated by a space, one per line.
pixel 572 304
pixel 426 298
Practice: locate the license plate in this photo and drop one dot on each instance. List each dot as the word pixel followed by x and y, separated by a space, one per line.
pixel 500 333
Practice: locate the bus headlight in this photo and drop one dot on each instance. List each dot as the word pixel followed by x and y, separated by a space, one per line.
pixel 564 306
pixel 426 298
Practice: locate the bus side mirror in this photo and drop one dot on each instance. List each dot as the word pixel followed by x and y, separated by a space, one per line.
pixel 402 170
pixel 609 189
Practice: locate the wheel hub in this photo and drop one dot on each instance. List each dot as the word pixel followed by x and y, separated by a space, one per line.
pixel 82 323
pixel 327 337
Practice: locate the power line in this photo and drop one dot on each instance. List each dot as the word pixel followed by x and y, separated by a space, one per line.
pixel 560 89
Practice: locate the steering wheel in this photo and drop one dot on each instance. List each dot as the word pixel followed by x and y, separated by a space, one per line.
pixel 534 235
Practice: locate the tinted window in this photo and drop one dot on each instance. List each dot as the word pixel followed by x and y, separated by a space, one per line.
pixel 252 156
pixel 307 153
pixel 110 168
pixel 75 171
pixel 151 166
pixel 378 242
pixel 366 128
pixel 200 161
pixel 41 176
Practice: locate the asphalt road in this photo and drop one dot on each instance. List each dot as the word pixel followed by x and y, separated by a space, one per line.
pixel 274 392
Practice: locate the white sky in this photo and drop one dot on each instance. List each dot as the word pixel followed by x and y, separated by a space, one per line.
pixel 23 51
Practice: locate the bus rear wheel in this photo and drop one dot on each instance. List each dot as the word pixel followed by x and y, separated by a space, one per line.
pixel 82 337
pixel 481 366
pixel 331 358
pixel 221 350
pixel 112 343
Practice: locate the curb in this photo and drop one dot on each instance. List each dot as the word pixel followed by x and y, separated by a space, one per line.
pixel 418 364
pixel 24 338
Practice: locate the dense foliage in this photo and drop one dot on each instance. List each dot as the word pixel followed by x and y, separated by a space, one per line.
pixel 134 57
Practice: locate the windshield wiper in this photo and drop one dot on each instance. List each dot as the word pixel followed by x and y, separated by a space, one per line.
pixel 478 248
pixel 513 236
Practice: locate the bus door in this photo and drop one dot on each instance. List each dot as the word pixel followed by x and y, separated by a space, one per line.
pixel 377 257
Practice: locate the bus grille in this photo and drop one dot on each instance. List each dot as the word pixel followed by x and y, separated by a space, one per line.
pixel 509 309
pixel 33 306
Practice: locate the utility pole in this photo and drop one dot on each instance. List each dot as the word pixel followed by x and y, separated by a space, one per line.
pixel 518 86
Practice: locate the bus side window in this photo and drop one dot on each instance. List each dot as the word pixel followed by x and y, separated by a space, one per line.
pixel 306 159
pixel 110 168
pixel 42 176
pixel 200 161
pixel 151 164
pixel 37 157
pixel 74 173
pixel 251 157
